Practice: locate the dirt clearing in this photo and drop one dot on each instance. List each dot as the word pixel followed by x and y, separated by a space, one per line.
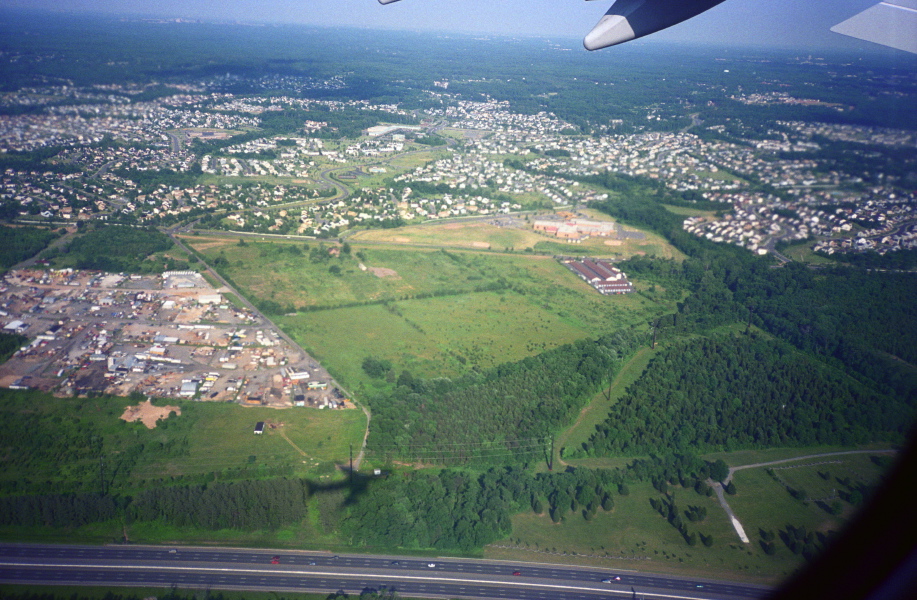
pixel 148 414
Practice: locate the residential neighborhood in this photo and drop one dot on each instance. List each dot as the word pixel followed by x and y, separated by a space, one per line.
pixel 168 159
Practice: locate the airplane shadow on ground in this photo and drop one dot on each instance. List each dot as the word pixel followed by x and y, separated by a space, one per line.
pixel 356 485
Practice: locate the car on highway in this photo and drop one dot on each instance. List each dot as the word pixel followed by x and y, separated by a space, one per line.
pixel 517 573
pixel 275 560
pixel 612 579
pixel 431 565
pixel 312 563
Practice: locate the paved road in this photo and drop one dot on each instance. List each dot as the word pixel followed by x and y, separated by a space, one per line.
pixel 736 524
pixel 324 573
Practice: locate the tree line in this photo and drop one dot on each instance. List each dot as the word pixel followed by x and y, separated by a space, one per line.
pixel 447 509
pixel 494 414
pixel 245 505
pixel 863 322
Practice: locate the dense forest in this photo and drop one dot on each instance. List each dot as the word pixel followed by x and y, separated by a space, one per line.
pixel 117 249
pixel 863 321
pixel 502 415
pixel 20 243
pixel 733 392
pixel 9 343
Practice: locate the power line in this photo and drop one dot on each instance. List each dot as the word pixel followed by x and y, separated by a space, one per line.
pixel 500 442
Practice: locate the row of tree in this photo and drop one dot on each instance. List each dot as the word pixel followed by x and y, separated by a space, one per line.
pixel 245 505
pixel 448 509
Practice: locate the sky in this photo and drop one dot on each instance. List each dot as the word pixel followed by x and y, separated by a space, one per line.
pixel 778 23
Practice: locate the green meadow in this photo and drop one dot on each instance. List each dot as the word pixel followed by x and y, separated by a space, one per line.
pixel 91 443
pixel 634 536
pixel 432 337
pixel 820 480
pixel 434 312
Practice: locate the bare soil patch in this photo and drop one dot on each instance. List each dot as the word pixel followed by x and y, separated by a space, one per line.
pixel 382 272
pixel 148 414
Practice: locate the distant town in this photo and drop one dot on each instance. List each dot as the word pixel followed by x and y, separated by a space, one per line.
pixel 128 162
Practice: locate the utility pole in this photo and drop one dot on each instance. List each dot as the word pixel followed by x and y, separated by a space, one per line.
pixel 610 381
pixel 551 456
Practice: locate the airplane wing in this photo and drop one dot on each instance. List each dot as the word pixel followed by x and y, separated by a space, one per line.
pixel 630 19
pixel 891 23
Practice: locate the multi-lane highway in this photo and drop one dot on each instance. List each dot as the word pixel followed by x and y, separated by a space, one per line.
pixel 277 570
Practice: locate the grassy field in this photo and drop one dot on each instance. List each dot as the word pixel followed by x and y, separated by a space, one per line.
pixel 482 235
pixel 222 438
pixel 764 503
pixel 635 536
pixel 750 457
pixel 804 253
pixel 205 438
pixel 284 272
pixel 424 309
pixel 691 212
pixel 468 234
pixel 433 337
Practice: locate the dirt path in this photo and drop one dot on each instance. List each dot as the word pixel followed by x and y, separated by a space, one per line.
pixel 356 463
pixel 732 470
pixel 718 487
pixel 283 434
